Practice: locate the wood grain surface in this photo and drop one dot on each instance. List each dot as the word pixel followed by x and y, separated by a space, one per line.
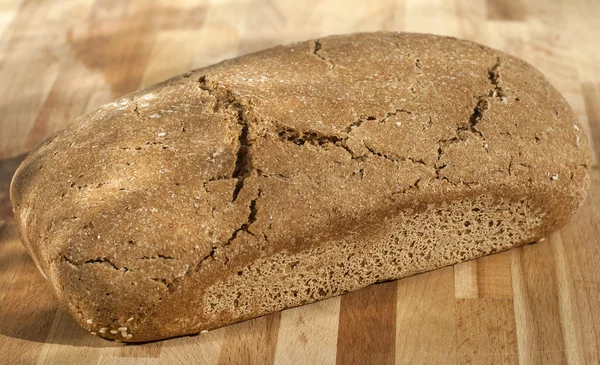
pixel 539 304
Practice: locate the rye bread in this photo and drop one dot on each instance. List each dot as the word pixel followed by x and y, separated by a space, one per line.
pixel 295 174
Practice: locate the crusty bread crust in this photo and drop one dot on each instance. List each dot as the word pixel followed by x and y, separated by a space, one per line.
pixel 295 174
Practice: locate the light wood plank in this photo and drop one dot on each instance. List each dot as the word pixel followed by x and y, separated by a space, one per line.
pixel 569 321
pixel 35 54
pixel 251 342
pixel 67 99
pixel 308 334
pixel 485 331
pixel 8 10
pixel 576 248
pixel 24 323
pixel 493 276
pixel 425 319
pixel 472 22
pixel 591 95
pixel 204 348
pixel 510 37
pixel 126 361
pixel 219 38
pixel 539 332
pixel 465 280
pixel 68 343
pixel 172 55
pixel 431 16
pixel 146 350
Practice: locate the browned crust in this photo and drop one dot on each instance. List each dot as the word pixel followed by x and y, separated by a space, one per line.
pixel 142 205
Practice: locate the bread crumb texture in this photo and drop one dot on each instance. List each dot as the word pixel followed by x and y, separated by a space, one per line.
pixel 295 174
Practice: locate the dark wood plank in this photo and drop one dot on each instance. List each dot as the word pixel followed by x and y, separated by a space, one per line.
pixel 506 10
pixel 367 327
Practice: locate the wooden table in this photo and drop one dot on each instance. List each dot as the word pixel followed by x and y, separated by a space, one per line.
pixel 538 304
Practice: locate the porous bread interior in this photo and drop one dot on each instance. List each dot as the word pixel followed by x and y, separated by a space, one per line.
pixel 406 244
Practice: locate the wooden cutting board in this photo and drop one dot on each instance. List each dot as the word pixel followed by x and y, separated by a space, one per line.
pixel 538 304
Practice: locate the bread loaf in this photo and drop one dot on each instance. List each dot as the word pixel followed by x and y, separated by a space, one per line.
pixel 295 174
